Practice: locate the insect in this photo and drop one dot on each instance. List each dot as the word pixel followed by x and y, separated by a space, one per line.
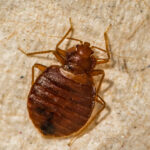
pixel 62 98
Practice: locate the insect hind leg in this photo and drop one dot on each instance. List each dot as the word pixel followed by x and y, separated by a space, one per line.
pixel 80 132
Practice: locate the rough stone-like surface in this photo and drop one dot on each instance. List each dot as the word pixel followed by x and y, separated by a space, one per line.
pixel 30 24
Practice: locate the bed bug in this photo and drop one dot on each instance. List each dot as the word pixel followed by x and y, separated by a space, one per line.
pixel 62 98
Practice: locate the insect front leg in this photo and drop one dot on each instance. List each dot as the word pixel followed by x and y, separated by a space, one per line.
pixel 64 37
pixel 59 53
pixel 105 60
pixel 40 67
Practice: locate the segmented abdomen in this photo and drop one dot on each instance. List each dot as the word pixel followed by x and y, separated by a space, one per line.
pixel 59 106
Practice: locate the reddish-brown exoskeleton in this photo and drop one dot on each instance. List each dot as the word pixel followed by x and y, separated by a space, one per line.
pixel 62 98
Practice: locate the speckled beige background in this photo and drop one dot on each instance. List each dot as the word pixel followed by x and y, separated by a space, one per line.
pixel 30 25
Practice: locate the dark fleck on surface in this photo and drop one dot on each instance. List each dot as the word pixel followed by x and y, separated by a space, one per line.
pixel 21 77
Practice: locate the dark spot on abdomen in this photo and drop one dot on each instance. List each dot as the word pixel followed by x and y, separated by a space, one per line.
pixel 47 126
pixel 40 110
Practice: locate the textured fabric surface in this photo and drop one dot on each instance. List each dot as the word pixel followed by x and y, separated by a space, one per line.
pixel 31 24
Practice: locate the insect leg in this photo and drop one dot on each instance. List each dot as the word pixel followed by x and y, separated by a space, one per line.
pixel 95 73
pixel 100 60
pixel 63 38
pixel 57 54
pixel 34 53
pixel 74 39
pixel 40 67
pixel 79 133
pixel 69 38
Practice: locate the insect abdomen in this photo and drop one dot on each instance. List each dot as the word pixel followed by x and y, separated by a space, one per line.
pixel 59 106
